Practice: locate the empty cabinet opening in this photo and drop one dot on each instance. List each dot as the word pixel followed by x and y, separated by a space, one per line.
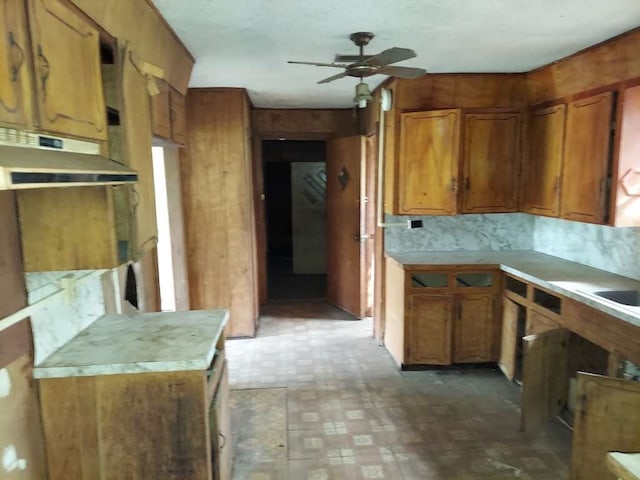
pixel 294 186
pixel 516 286
pixel 521 332
pixel 430 280
pixel 547 300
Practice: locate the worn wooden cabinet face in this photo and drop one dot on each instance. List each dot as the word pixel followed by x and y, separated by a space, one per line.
pixel 160 113
pixel 427 176
pixel 429 329
pixel 509 338
pixel 491 162
pixel 473 328
pixel 66 53
pixel 178 117
pixel 586 159
pixel 542 169
pixel 15 80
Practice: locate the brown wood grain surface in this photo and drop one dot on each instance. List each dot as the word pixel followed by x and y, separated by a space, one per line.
pixel 306 124
pixel 429 329
pixel 217 194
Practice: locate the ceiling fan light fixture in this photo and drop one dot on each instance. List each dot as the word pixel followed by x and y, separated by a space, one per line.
pixel 363 94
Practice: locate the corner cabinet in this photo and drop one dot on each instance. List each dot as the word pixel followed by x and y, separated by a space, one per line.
pixel 441 316
pixel 586 159
pixel 168 116
pixel 15 75
pixel 427 178
pixel 491 162
pixel 68 76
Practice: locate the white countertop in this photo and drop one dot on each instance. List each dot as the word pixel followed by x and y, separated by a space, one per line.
pixel 566 278
pixel 137 343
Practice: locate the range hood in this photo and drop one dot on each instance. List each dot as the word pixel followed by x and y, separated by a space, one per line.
pixel 32 160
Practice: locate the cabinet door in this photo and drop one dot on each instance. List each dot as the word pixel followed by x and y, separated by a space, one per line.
pixel 428 162
pixel 429 329
pixel 15 84
pixel 586 159
pixel 607 420
pixel 509 339
pixel 160 114
pixel 473 328
pixel 178 120
pixel 491 162
pixel 545 377
pixel 66 52
pixel 543 166
pixel 221 434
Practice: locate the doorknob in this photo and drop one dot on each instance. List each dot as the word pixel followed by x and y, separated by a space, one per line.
pixel 360 238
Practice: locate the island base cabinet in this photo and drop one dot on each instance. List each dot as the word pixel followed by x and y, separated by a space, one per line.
pixel 134 426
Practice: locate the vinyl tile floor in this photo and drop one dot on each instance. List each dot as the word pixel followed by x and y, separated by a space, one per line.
pixel 316 397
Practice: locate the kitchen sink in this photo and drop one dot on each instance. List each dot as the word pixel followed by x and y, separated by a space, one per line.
pixel 624 297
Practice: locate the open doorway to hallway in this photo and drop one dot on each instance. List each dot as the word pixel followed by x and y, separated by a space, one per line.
pixel 294 184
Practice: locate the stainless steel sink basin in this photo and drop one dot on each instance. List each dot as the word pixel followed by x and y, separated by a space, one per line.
pixel 623 297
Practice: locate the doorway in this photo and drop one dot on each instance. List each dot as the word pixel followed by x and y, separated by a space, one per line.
pixel 294 186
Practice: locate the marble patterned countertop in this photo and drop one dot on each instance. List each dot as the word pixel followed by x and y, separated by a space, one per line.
pixel 138 343
pixel 570 279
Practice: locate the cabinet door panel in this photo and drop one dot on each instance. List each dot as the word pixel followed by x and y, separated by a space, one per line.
pixel 545 377
pixel 66 52
pixel 491 162
pixel 543 165
pixel 586 159
pixel 15 85
pixel 429 329
pixel 160 114
pixel 607 420
pixel 509 339
pixel 428 163
pixel 178 120
pixel 473 329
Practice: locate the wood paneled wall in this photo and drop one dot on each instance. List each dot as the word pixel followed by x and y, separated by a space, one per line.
pixel 305 124
pixel 19 416
pixel 217 195
pixel 611 62
pixel 148 34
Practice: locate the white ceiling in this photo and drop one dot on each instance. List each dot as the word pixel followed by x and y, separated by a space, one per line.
pixel 246 43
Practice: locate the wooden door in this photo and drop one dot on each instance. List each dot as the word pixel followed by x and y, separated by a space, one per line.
pixel 66 52
pixel 222 443
pixel 345 238
pixel 428 329
pixel 427 179
pixel 473 328
pixel 15 84
pixel 586 159
pixel 541 172
pixel 491 162
pixel 545 377
pixel 509 339
pixel 607 420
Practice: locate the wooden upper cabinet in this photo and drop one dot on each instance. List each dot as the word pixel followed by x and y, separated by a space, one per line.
pixel 542 168
pixel 491 162
pixel 66 53
pixel 178 118
pixel 15 80
pixel 586 159
pixel 428 162
pixel 160 113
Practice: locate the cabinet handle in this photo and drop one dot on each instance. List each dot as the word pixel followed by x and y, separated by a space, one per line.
pixel 467 183
pixel 556 185
pixel 454 185
pixel 44 71
pixel 17 57
pixel 224 441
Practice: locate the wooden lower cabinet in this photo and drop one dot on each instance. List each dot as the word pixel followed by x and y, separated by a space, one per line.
pixel 440 317
pixel 429 329
pixel 136 426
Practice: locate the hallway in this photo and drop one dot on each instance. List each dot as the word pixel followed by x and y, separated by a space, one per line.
pixel 314 397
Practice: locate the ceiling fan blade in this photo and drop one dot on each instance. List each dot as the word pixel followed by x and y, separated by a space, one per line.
pixel 333 77
pixel 402 72
pixel 318 64
pixel 391 55
pixel 350 58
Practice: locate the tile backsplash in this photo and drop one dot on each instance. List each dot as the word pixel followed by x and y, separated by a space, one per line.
pixel 616 250
pixel 498 231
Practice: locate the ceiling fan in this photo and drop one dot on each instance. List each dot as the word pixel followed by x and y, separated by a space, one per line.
pixel 362 65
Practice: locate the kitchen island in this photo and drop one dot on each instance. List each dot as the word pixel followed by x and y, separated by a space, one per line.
pixel 139 396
